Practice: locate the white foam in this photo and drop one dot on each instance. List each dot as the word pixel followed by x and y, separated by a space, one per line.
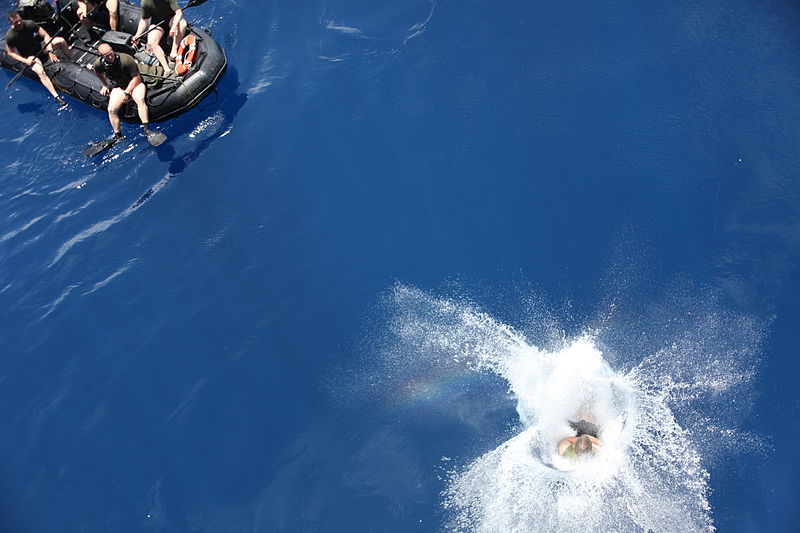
pixel 650 475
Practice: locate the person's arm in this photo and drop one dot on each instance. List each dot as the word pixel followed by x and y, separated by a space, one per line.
pixel 143 23
pixel 105 88
pixel 176 20
pixel 13 54
pixel 43 34
pixel 565 442
pixel 46 38
pixel 597 444
pixel 136 80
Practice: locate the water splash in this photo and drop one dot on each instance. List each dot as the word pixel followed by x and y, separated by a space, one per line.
pixel 209 126
pixel 652 473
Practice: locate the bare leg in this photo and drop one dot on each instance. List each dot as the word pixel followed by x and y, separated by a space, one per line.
pixel 112 6
pixel 83 10
pixel 115 101
pixel 48 84
pixel 153 40
pixel 141 105
pixel 62 45
pixel 178 38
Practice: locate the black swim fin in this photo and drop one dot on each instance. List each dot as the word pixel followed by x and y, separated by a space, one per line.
pixel 101 146
pixel 155 138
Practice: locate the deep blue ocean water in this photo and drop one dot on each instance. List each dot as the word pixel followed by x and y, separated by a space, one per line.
pixel 187 333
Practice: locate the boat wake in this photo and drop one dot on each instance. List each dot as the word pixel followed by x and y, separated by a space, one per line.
pixel 665 417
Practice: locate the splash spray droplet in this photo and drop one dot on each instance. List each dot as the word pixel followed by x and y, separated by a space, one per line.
pixel 650 474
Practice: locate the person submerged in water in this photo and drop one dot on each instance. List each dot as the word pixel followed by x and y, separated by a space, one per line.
pixel 584 445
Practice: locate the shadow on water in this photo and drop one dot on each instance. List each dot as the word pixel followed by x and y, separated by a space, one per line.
pixel 31 107
pixel 229 102
pixel 214 127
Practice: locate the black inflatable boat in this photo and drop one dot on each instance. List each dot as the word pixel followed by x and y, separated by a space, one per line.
pixel 166 97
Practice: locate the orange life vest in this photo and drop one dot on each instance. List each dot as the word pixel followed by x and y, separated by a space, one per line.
pixel 186 53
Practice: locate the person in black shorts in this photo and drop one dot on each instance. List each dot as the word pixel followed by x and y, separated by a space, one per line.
pixel 24 40
pixel 121 69
pixel 157 15
pixel 90 10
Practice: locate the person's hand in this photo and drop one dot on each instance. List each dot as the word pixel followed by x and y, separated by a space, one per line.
pixel 173 31
pixel 103 91
pixel 53 57
pixel 30 60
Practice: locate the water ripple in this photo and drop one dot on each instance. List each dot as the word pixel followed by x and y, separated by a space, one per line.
pixel 420 27
pixel 102 283
pixel 49 308
pixel 13 233
pixel 103 225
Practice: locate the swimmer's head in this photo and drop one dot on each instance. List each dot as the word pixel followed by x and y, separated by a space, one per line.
pixel 583 446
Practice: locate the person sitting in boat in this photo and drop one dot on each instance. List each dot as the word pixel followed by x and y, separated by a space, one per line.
pixel 24 41
pixel 88 11
pixel 156 14
pixel 584 445
pixel 122 70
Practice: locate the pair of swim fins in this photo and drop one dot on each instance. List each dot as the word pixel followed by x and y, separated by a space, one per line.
pixel 155 138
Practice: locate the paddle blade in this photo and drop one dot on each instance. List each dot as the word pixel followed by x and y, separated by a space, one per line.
pixel 194 3
pixel 16 77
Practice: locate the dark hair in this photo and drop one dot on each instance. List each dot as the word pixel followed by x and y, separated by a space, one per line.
pixel 13 13
pixel 583 446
